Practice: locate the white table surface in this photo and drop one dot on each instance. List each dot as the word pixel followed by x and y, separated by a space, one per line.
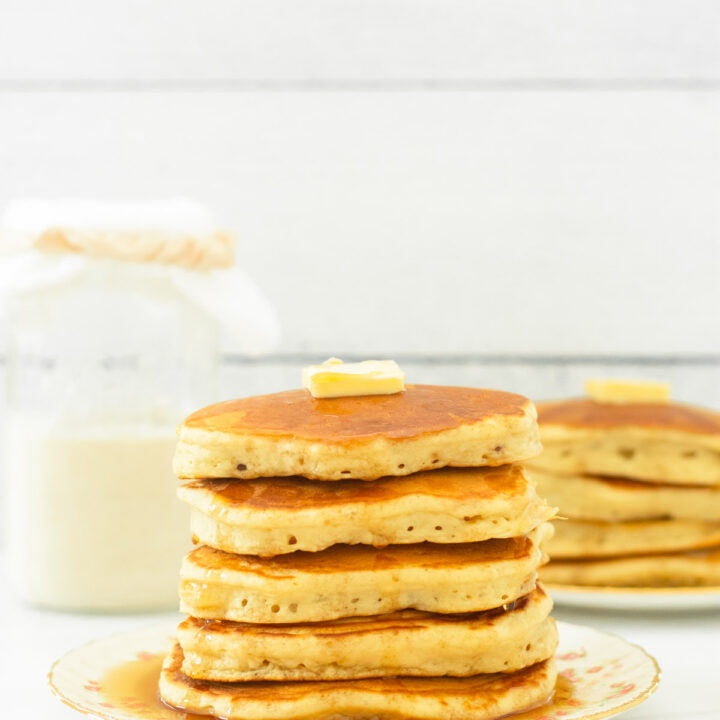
pixel 687 646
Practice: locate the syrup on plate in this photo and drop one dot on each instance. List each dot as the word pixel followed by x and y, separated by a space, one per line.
pixel 133 686
pixel 563 692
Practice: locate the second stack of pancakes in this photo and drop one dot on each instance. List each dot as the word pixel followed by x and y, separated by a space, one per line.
pixel 338 544
pixel 638 484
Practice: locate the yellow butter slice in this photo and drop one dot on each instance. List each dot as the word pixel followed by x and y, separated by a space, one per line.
pixel 627 391
pixel 334 378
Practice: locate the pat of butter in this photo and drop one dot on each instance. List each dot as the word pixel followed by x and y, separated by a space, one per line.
pixel 628 391
pixel 334 378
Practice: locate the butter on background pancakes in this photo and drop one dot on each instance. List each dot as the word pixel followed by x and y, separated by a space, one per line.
pixel 350 580
pixel 272 516
pixel 291 433
pixel 407 642
pixel 478 697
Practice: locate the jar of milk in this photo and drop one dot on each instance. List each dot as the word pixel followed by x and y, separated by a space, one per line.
pixel 114 324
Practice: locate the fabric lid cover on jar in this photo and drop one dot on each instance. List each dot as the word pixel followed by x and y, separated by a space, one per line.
pixel 44 242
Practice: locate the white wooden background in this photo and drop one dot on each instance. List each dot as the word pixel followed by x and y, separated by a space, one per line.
pixel 417 177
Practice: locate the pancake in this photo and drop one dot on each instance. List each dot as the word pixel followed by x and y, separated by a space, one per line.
pixel 282 515
pixel 589 538
pixel 675 570
pixel 367 437
pixel 408 642
pixel 351 580
pixel 650 442
pixel 479 697
pixel 583 497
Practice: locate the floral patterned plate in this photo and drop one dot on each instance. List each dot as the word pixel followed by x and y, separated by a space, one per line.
pixel 617 598
pixel 115 678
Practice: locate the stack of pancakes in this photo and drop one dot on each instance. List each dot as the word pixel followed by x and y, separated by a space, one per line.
pixel 639 484
pixel 347 570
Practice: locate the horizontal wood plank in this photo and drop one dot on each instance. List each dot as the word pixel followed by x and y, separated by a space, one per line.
pixel 422 222
pixel 370 40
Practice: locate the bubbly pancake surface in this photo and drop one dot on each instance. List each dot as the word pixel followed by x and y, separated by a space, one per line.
pixel 350 580
pixel 367 437
pixel 479 697
pixel 272 516
pixel 420 409
pixel 407 642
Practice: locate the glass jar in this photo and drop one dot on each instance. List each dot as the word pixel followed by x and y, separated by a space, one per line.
pixel 104 360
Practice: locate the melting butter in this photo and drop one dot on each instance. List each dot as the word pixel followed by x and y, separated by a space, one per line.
pixel 334 378
pixel 627 391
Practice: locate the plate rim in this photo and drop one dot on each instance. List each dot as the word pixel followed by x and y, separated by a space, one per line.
pixel 162 627
pixel 651 688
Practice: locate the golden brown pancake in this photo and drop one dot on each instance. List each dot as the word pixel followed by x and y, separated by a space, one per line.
pixel 585 497
pixel 479 697
pixel 407 642
pixel 351 580
pixel 671 570
pixel 282 515
pixel 591 538
pixel 367 437
pixel 641 441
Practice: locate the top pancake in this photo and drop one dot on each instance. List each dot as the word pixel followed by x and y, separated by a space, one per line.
pixel 367 437
pixel 652 442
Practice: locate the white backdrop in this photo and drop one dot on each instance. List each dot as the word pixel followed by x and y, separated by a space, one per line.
pixel 416 177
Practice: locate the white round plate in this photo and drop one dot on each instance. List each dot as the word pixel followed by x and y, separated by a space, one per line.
pixel 613 598
pixel 600 675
